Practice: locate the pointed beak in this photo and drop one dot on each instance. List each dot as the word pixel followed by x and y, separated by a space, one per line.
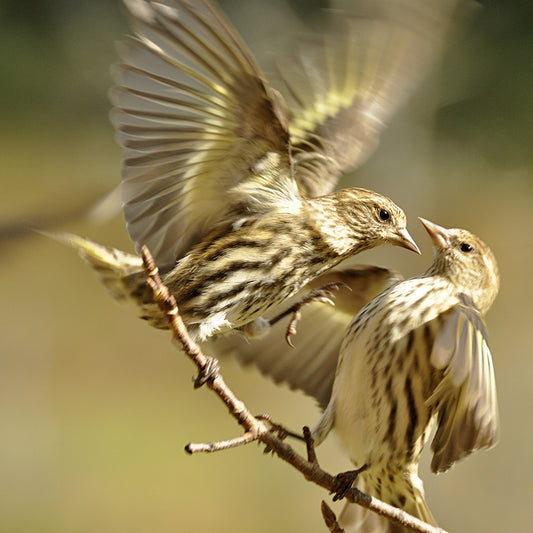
pixel 438 234
pixel 406 241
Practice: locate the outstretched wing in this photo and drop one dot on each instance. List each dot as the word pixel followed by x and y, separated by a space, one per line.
pixel 197 120
pixel 343 89
pixel 311 365
pixel 466 397
pixel 194 115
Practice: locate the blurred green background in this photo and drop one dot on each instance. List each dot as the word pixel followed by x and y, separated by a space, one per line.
pixel 95 407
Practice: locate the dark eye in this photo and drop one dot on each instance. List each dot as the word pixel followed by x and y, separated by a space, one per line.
pixel 384 215
pixel 465 247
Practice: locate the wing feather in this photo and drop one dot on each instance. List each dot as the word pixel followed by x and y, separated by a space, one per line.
pixel 466 397
pixel 343 88
pixel 194 115
pixel 197 119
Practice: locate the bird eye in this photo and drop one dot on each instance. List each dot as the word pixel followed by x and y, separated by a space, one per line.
pixel 465 247
pixel 384 215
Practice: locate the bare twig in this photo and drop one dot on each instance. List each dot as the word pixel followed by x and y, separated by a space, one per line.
pixel 255 429
pixel 310 446
pixel 208 447
pixel 280 430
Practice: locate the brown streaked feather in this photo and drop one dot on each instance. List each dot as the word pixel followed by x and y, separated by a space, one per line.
pixel 197 120
pixel 356 518
pixel 311 365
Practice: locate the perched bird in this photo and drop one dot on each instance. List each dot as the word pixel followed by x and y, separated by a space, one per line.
pixel 416 355
pixel 229 184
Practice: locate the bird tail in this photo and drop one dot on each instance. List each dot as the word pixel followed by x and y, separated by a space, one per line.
pixel 120 272
pixel 400 489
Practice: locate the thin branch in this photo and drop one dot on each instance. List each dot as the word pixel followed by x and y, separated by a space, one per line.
pixel 255 429
pixel 310 446
pixel 209 447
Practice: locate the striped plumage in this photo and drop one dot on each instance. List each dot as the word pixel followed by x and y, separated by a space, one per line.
pixel 242 270
pixel 233 279
pixel 230 184
pixel 202 129
pixel 310 365
pixel 415 355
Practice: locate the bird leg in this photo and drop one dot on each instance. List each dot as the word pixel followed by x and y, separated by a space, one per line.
pixel 344 482
pixel 323 295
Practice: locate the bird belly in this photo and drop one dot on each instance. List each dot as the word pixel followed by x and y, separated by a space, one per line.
pixel 232 292
pixel 355 419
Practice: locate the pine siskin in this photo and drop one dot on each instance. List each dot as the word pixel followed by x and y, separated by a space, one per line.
pixel 229 187
pixel 415 355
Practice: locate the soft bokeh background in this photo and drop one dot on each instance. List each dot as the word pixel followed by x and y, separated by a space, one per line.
pixel 95 407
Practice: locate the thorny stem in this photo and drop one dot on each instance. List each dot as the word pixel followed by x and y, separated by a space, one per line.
pixel 254 428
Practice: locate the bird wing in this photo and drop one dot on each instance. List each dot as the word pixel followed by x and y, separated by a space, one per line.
pixel 466 397
pixel 343 89
pixel 194 115
pixel 203 133
pixel 311 365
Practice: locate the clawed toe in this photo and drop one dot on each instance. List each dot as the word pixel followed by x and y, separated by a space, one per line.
pixel 322 295
pixel 208 372
pixel 344 482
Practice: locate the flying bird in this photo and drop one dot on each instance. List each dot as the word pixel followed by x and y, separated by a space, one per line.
pixel 231 185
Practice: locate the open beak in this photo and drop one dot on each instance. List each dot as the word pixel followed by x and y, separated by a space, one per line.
pixel 438 234
pixel 406 241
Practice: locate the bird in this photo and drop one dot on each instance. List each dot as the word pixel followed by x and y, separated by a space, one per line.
pixel 231 185
pixel 415 356
pixel 229 280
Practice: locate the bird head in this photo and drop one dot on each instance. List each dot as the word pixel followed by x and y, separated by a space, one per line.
pixel 466 261
pixel 374 219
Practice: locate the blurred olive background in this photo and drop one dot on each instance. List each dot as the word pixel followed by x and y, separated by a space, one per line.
pixel 96 407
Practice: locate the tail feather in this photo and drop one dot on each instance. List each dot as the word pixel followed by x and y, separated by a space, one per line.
pixel 120 272
pixel 401 489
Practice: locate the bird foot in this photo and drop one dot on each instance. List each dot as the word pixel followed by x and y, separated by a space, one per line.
pixel 323 295
pixel 207 373
pixel 344 481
